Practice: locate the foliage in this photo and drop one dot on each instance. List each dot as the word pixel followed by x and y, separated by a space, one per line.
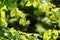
pixel 20 15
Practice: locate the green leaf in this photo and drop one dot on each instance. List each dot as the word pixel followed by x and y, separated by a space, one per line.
pixel 28 3
pixel 31 38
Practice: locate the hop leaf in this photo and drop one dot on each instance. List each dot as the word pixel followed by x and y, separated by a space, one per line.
pixel 28 3
pixel 22 22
